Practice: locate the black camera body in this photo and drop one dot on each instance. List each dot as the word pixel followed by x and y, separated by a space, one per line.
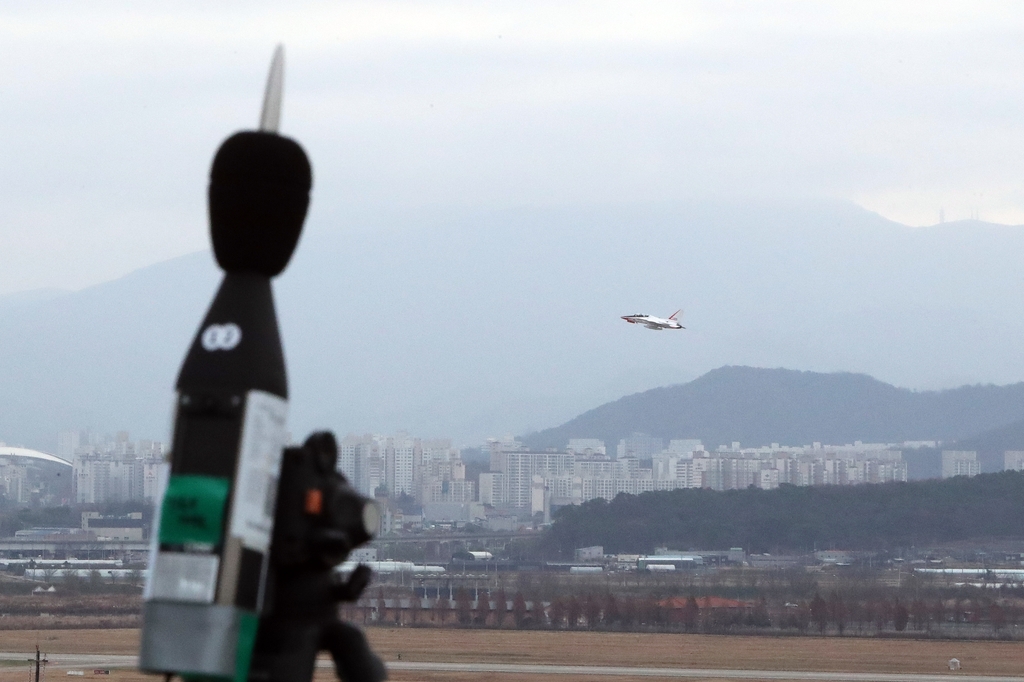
pixel 320 519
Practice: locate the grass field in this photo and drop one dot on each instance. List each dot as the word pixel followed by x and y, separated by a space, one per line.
pixel 589 648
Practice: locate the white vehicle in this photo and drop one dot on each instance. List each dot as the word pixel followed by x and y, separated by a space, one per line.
pixel 655 323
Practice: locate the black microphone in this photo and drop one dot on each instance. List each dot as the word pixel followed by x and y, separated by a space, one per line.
pixel 209 556
pixel 258 196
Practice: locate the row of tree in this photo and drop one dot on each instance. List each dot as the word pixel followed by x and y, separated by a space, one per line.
pixel 840 615
pixel 831 614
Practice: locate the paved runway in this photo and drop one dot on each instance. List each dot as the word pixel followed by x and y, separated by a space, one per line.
pixel 78 660
pixel 91 661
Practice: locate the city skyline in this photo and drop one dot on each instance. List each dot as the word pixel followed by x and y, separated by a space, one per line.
pixel 113 468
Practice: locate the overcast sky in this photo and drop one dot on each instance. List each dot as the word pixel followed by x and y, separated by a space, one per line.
pixel 110 113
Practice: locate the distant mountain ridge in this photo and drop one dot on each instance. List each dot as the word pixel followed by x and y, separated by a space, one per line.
pixel 469 323
pixel 761 406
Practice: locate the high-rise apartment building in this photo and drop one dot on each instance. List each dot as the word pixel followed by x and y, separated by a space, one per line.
pixel 426 470
pixel 402 456
pixel 117 470
pixel 586 446
pixel 640 445
pixel 685 446
pixel 1013 460
pixel 960 463
pixel 518 467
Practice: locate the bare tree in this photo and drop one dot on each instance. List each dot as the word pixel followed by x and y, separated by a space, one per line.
pixel 691 613
pixel 919 614
pixel 837 611
pixel 519 610
pixel 591 609
pixel 442 608
pixel 939 613
pixel 900 616
pixel 996 616
pixel 501 607
pixel 463 606
pixel 557 612
pixel 611 610
pixel 819 613
pixel 573 610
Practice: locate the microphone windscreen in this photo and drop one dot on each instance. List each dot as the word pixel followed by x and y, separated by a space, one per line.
pixel 258 196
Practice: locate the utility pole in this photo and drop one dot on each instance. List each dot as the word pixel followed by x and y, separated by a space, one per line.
pixel 39 661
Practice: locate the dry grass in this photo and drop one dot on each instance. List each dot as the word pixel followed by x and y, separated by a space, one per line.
pixel 73 604
pixel 698 651
pixel 65 622
pixel 89 641
pixel 586 648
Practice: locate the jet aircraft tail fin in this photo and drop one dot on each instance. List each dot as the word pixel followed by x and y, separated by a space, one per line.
pixel 673 315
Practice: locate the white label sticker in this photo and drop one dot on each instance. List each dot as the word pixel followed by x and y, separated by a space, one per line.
pixel 221 336
pixel 163 475
pixel 259 468
pixel 184 577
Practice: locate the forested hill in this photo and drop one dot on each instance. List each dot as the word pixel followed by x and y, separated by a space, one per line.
pixel 761 406
pixel 791 518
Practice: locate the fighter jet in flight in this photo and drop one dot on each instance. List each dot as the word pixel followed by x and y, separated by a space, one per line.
pixel 655 323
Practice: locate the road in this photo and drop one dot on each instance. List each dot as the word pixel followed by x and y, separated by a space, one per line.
pixel 92 661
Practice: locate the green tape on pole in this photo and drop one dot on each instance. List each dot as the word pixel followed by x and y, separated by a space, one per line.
pixel 247 625
pixel 193 510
